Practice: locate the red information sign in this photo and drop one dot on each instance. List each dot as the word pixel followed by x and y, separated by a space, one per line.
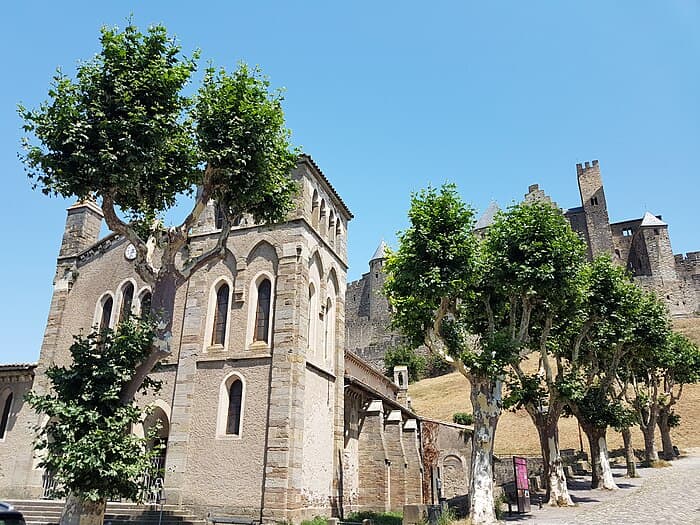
pixel 522 485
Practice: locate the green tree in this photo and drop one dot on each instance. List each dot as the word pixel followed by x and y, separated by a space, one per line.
pixel 473 302
pixel 124 133
pixel 404 355
pixel 681 367
pixel 86 443
pixel 541 259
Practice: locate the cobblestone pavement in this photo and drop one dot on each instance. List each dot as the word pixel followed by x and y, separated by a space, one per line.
pixel 670 496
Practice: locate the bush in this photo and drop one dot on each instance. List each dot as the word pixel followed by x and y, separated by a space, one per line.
pixel 463 418
pixel 383 518
pixel 436 366
pixel 404 355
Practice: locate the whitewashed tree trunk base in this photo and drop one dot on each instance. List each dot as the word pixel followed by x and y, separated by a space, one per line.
pixel 608 482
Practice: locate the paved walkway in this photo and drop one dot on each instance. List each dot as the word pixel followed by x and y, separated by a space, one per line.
pixel 669 496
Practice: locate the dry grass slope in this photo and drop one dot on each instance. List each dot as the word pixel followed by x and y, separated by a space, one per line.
pixel 441 397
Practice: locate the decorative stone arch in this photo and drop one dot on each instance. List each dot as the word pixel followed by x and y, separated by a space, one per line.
pixel 263 243
pixel 212 303
pixel 105 299
pixel 315 303
pixel 120 304
pixel 224 407
pixel 454 475
pixel 7 401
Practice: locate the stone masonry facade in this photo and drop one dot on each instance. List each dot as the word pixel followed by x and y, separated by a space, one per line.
pixel 321 432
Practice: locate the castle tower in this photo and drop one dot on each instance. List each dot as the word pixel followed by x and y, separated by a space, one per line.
pixel 378 304
pixel 595 209
pixel 658 249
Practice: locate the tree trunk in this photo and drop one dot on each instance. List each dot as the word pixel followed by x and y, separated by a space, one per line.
pixel 665 430
pixel 486 404
pixel 650 453
pixel 547 425
pixel 602 476
pixel 630 459
pixel 77 511
pixel 162 308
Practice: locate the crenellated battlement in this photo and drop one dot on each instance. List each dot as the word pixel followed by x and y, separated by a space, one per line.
pixel 587 166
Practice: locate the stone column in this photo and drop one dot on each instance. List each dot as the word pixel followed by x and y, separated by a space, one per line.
pixel 191 302
pixel 284 453
pixel 397 457
pixel 414 465
pixel 374 462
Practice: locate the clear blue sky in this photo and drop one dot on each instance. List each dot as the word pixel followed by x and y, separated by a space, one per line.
pixel 389 97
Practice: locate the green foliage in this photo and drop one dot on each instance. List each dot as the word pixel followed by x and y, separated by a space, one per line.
pixel 532 252
pixel 379 518
pixel 87 442
pixel 463 418
pixel 437 257
pixel 404 355
pixel 119 128
pixel 525 390
pixel 124 128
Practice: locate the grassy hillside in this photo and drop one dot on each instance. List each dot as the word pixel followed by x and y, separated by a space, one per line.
pixel 441 397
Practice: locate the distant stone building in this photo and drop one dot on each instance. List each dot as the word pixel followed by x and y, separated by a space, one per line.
pixel 642 245
pixel 262 411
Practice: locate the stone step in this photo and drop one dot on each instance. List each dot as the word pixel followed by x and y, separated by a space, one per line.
pixel 48 512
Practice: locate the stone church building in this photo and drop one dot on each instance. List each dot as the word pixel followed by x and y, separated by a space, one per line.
pixel 262 411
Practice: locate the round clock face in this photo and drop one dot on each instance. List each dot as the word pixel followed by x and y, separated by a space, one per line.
pixel 130 252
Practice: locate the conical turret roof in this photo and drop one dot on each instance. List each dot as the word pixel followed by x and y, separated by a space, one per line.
pixel 486 218
pixel 379 253
pixel 652 220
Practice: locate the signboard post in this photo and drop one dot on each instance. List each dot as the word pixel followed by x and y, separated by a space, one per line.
pixel 522 484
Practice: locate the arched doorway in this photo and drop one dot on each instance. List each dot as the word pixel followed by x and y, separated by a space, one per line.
pixel 156 429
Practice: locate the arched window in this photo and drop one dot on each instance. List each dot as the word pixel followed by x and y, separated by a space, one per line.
pixel 127 301
pixel 218 335
pixel 6 407
pixel 145 304
pixel 262 312
pixel 235 404
pixel 232 392
pixel 106 315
